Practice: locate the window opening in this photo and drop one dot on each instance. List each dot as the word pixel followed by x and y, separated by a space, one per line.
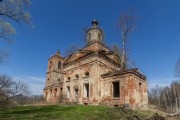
pixel 86 74
pixel 116 92
pixel 76 93
pixel 55 92
pixel 68 91
pixel 77 76
pixel 59 65
pixel 86 90
pixel 69 78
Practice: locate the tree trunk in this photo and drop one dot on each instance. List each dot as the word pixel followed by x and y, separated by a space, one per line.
pixel 175 97
pixel 165 101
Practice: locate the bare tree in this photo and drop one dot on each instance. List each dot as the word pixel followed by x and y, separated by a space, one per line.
pixel 167 97
pixel 71 49
pixel 10 89
pixel 175 95
pixel 61 98
pixel 126 24
pixel 12 11
pixel 83 35
pixel 117 50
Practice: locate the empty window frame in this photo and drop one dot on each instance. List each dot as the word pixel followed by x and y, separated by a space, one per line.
pixel 55 92
pixel 86 74
pixel 77 76
pixel 61 90
pixel 46 95
pixel 68 92
pixel 140 90
pixel 76 93
pixel 51 92
pixel 50 64
pixel 69 78
pixel 116 91
pixel 59 65
pixel 140 87
pixel 86 90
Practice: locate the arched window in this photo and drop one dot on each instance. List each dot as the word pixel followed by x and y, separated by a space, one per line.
pixel 55 92
pixel 50 64
pixel 58 79
pixel 69 78
pixel 59 64
pixel 99 35
pixel 77 76
pixel 89 35
pixel 86 74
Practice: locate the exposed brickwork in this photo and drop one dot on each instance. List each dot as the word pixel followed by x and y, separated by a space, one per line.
pixel 91 76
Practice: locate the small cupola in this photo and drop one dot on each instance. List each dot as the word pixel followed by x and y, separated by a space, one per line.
pixel 57 53
pixel 94 33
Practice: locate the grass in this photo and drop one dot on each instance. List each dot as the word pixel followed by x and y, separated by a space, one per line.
pixel 71 112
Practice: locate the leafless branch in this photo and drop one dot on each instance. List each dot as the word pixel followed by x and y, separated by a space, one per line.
pixel 126 24
pixel 10 89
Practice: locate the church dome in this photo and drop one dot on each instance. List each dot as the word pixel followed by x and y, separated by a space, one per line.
pixel 94 33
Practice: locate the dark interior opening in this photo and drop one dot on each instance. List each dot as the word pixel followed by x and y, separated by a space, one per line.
pixel 86 86
pixel 116 92
pixel 55 92
pixel 59 64
pixel 86 73
pixel 115 105
pixel 77 76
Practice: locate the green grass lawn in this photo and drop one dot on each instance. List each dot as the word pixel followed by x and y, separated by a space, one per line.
pixel 71 112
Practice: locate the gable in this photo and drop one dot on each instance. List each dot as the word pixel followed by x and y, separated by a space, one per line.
pixel 75 56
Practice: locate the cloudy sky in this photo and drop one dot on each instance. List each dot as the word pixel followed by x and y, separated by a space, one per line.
pixel 154 47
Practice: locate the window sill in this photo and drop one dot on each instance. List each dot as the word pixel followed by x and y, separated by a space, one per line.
pixel 86 76
pixel 115 98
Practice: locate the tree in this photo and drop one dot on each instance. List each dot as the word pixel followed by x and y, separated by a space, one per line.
pixel 126 24
pixel 10 90
pixel 166 98
pixel 175 95
pixel 12 11
pixel 71 49
pixel 117 50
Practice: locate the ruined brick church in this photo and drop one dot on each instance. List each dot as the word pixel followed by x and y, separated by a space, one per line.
pixel 93 75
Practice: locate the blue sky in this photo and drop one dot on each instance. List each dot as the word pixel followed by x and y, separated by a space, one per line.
pixel 154 46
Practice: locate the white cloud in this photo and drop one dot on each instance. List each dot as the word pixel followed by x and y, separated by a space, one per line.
pixel 36 84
